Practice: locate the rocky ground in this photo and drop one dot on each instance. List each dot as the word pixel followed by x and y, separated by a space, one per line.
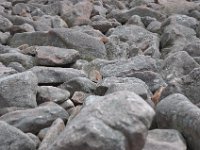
pixel 99 75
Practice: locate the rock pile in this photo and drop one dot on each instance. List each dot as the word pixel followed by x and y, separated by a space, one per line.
pixel 99 75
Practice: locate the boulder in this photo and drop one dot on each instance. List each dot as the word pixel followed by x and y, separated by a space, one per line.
pixel 5 24
pixel 177 112
pixel 54 131
pixel 14 139
pixel 54 56
pixel 18 90
pixel 121 68
pixel 105 127
pixel 55 75
pixel 88 46
pixel 50 93
pixel 79 84
pixel 165 139
pixel 26 61
pixel 177 64
pixel 5 71
pixel 142 11
pixel 33 120
pixel 130 40
pixel 79 14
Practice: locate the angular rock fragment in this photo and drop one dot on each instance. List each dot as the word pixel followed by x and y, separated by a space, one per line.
pixel 165 139
pixel 107 128
pixel 14 139
pixel 50 93
pixel 88 46
pixel 55 75
pixel 54 131
pixel 121 68
pixel 177 112
pixel 18 90
pixel 33 120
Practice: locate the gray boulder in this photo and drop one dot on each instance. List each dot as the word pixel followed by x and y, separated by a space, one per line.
pixel 79 14
pixel 124 15
pixel 55 75
pixel 4 37
pixel 5 24
pixel 26 61
pixel 14 139
pixel 105 127
pixel 88 46
pixel 50 93
pixel 152 79
pixel 122 67
pixel 177 64
pixel 132 40
pixel 34 138
pixel 33 120
pixel 182 20
pixel 5 71
pixel 54 56
pixel 54 131
pixel 114 84
pixel 79 84
pixel 18 90
pixel 165 139
pixel 177 112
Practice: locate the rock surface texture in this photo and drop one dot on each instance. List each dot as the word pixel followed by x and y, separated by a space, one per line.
pixel 99 74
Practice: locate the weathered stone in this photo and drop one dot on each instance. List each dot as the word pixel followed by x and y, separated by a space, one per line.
pixel 58 22
pixel 88 46
pixel 103 24
pixel 55 75
pixel 26 61
pixel 33 120
pixel 123 16
pixel 50 93
pixel 190 85
pixel 17 66
pixel 135 20
pixel 177 112
pixel 182 20
pixel 54 131
pixel 114 84
pixel 35 139
pixel 132 40
pixel 79 84
pixel 177 7
pixel 4 37
pixel 67 105
pixel 79 64
pixel 152 79
pixel 176 35
pixel 79 97
pixel 54 56
pixel 104 127
pixel 79 14
pixel 121 68
pixel 154 26
pixel 177 64
pixel 21 28
pixel 42 133
pixel 5 24
pixel 18 90
pixel 14 139
pixel 5 71
pixel 165 139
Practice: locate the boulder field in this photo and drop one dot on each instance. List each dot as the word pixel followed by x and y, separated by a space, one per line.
pixel 99 74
